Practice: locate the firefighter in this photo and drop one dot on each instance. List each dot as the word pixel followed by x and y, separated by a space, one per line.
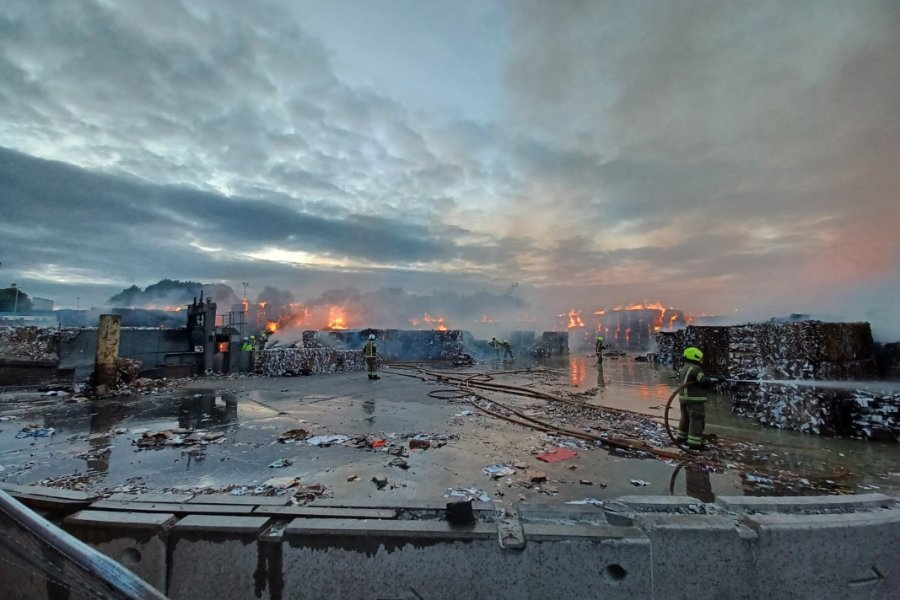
pixel 247 346
pixel 693 399
pixel 507 349
pixel 599 348
pixel 495 345
pixel 371 355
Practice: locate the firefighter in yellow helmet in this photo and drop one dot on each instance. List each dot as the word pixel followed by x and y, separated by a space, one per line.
pixel 371 355
pixel 495 344
pixel 693 399
pixel 600 346
pixel 507 349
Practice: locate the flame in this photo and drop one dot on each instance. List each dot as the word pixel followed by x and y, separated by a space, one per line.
pixel 574 318
pixel 438 322
pixel 486 319
pixel 272 326
pixel 173 308
pixel 246 304
pixel 336 318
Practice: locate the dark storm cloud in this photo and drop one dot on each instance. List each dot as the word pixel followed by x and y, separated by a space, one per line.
pixel 118 225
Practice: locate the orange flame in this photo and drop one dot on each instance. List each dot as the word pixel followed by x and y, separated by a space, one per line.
pixel 438 322
pixel 336 318
pixel 272 326
pixel 574 318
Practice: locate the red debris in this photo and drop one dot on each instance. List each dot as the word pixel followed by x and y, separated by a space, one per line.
pixel 556 455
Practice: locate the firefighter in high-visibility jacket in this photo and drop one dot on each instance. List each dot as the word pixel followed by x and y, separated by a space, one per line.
pixel 599 347
pixel 693 399
pixel 370 353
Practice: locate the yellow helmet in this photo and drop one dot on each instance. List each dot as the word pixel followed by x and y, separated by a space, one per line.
pixel 693 354
pixel 599 338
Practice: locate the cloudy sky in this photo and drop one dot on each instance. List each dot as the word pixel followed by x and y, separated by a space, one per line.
pixel 737 158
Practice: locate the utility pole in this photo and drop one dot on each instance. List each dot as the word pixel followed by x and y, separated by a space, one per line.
pixel 16 301
pixel 244 283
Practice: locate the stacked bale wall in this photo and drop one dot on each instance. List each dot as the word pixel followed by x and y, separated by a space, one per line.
pixel 753 357
pixel 330 351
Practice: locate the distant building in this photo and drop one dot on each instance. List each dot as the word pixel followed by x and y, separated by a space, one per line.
pixel 20 319
pixel 41 304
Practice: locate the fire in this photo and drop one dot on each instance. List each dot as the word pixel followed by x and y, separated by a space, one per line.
pixel 486 319
pixel 173 308
pixel 272 326
pixel 438 322
pixel 574 318
pixel 336 318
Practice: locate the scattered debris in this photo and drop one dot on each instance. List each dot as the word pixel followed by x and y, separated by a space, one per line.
pixel 556 455
pixel 380 481
pixel 639 482
pixel 293 435
pixel 536 476
pixel 399 462
pixel 281 463
pixel 497 471
pixel 327 440
pixel 35 431
pixel 353 478
pixel 471 493
pixel 419 444
pixel 178 437
pixel 593 501
pixel 279 483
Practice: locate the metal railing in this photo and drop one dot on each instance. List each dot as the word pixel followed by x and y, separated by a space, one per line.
pixel 39 560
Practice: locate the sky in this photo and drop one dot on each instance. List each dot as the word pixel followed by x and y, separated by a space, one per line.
pixel 721 157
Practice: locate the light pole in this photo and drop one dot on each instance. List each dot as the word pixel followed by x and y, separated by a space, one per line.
pixel 245 284
pixel 16 301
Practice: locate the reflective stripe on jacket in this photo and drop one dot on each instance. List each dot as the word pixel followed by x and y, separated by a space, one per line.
pixel 693 376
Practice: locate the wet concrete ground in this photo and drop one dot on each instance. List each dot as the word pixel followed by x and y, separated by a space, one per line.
pixel 93 447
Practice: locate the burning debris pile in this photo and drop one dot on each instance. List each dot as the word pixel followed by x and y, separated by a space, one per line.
pixel 771 368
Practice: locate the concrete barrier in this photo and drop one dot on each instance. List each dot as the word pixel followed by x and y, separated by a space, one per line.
pixel 634 547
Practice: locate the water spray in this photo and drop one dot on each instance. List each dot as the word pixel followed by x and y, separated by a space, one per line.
pixel 887 387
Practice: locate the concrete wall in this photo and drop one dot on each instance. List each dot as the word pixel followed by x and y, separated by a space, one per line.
pixel 150 346
pixel 635 547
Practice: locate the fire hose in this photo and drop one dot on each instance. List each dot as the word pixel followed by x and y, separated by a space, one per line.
pixel 483 381
pixel 672 397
